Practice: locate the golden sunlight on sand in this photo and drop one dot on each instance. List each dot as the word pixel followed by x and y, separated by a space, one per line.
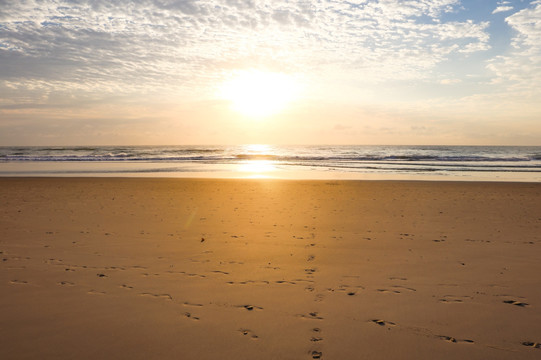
pixel 268 269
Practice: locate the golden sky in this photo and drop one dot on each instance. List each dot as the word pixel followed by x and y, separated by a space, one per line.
pixel 92 72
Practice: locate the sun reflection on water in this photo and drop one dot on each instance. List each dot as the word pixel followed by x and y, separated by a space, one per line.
pixel 255 167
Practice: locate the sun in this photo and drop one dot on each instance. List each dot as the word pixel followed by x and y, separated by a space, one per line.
pixel 259 94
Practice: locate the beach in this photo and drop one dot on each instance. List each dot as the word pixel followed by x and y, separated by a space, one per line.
pixel 143 268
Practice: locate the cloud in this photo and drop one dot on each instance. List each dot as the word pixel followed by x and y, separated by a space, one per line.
pixel 519 71
pixel 184 47
pixel 450 81
pixel 502 9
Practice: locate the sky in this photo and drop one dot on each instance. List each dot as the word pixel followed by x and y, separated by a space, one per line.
pixel 157 72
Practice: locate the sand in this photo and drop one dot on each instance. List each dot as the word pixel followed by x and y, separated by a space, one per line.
pixel 269 269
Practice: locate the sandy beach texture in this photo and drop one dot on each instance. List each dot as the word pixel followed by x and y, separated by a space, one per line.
pixel 266 269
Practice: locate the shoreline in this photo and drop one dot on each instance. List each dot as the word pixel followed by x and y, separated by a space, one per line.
pixel 397 179
pixel 268 268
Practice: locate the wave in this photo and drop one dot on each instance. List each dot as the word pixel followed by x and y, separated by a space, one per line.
pixel 396 159
pixel 215 156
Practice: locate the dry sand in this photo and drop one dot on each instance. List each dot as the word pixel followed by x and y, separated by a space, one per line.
pixel 267 269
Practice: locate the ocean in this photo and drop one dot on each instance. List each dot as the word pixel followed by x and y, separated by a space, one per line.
pixel 473 163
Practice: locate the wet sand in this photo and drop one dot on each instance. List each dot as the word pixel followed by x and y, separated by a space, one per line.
pixel 139 268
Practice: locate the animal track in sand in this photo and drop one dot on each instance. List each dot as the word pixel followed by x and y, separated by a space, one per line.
pixel 316 354
pixel 311 257
pixel 124 286
pixel 250 333
pixel 516 303
pixel 163 296
pixel 66 283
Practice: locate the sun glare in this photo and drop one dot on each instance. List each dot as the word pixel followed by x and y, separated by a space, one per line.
pixel 259 94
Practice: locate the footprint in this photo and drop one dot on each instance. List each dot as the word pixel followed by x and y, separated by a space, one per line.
pixel 285 282
pixel 96 292
pixel 311 258
pixel 387 290
pixel 453 299
pixel 190 316
pixel 163 296
pixel 403 287
pixel 313 316
pixel 124 286
pixel 250 307
pixel 67 283
pixel 192 304
pixel 516 303
pixel 383 322
pixel 250 333
pixel 138 267
pixel 19 282
pixel 535 345
pixel 196 275
pixel 450 300
pixel 316 338
pixel 316 354
pixel 454 340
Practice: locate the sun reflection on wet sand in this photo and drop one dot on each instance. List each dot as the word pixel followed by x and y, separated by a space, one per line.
pixel 257 168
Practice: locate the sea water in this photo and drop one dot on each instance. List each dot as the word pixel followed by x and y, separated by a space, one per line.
pixel 486 163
